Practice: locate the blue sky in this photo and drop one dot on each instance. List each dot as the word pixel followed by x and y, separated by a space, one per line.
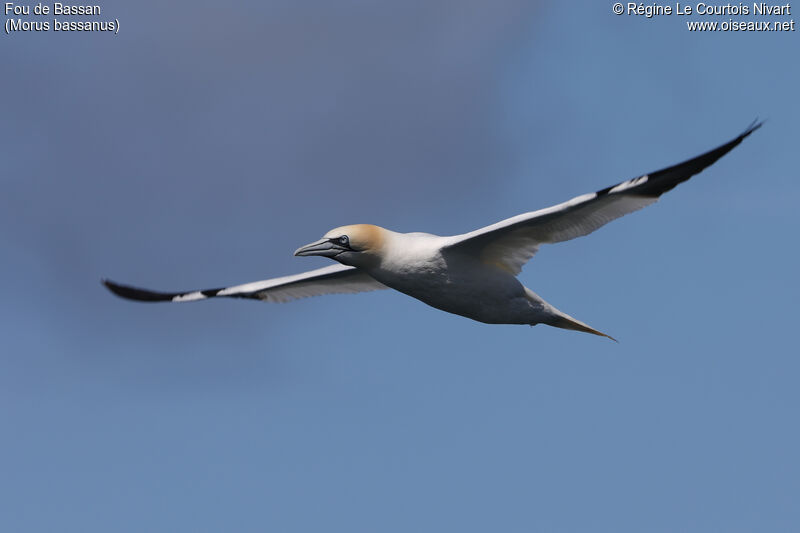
pixel 202 144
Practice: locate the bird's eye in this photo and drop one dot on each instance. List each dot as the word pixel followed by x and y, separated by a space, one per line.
pixel 344 240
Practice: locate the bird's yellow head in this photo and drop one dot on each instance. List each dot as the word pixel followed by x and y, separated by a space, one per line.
pixel 356 244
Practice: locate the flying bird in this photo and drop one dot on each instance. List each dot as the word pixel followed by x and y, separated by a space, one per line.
pixel 473 274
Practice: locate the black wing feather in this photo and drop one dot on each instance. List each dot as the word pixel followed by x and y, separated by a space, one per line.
pixel 668 178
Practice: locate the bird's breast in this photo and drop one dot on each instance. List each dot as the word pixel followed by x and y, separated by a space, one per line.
pixel 463 286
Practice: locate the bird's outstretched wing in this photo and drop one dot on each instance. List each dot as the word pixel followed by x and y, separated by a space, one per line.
pixel 328 280
pixel 512 242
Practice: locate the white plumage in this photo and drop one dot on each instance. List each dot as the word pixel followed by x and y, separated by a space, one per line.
pixel 474 274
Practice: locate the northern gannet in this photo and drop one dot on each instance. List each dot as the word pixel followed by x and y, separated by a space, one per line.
pixel 473 274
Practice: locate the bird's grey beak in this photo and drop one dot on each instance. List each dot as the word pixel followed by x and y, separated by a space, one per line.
pixel 322 247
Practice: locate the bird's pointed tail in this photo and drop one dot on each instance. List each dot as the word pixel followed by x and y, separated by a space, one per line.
pixel 558 319
pixel 567 322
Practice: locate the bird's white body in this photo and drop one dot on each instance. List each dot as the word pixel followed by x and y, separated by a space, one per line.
pixel 472 275
pixel 418 265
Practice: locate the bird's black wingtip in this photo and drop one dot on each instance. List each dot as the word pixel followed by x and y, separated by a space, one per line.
pixel 752 127
pixel 116 288
pixel 108 284
pixel 132 293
